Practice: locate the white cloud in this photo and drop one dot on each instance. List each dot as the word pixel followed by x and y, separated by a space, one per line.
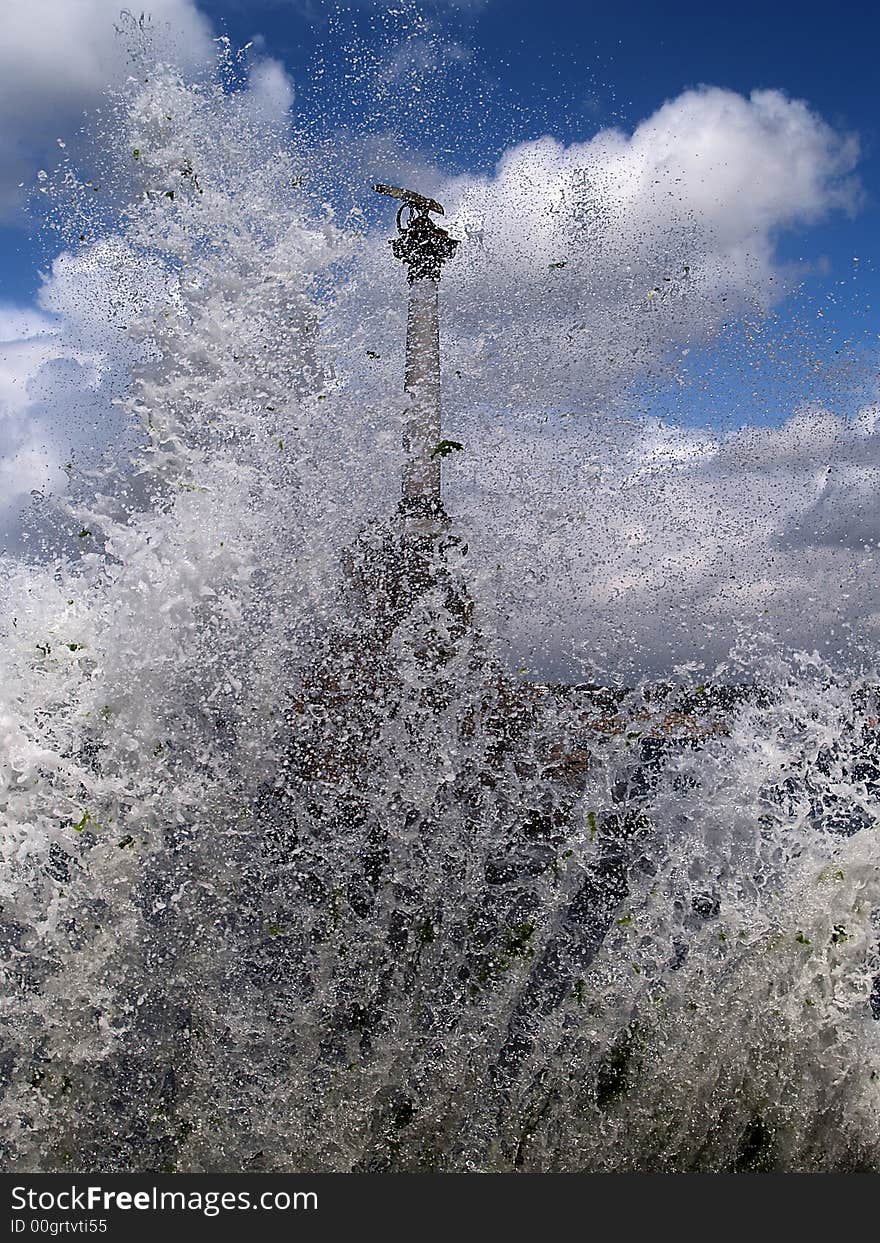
pixel 657 544
pixel 593 260
pixel 20 323
pixel 587 267
pixel 61 364
pixel 26 334
pixel 729 168
pixel 27 343
pixel 270 93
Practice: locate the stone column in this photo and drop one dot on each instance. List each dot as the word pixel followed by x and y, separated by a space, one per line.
pixel 421 472
pixel 424 247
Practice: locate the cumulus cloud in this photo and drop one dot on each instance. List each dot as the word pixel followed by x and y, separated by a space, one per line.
pixel 271 90
pixel 660 545
pixel 26 344
pixel 600 257
pixel 585 268
pixel 61 365
pixel 845 512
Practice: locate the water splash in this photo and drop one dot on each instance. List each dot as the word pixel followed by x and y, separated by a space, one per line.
pixel 299 874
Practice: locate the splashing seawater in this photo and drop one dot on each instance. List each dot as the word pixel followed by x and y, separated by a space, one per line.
pixel 298 876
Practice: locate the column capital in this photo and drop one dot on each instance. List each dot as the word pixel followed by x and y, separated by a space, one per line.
pixel 424 247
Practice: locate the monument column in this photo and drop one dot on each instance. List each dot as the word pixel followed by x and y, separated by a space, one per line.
pixel 423 247
pixel 421 435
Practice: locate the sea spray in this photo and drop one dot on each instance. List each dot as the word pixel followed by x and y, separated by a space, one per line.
pixel 299 874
